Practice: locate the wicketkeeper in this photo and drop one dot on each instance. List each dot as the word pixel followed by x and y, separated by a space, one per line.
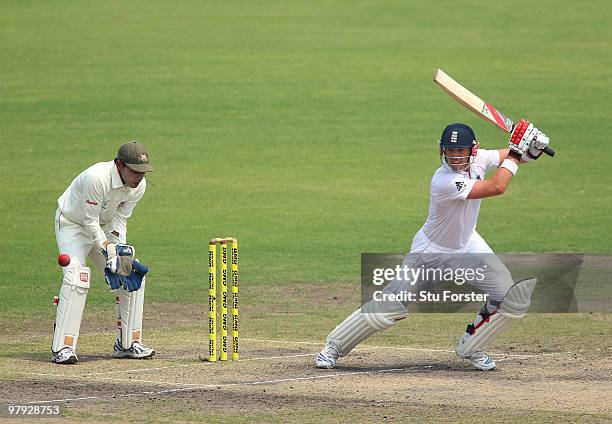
pixel 450 232
pixel 91 221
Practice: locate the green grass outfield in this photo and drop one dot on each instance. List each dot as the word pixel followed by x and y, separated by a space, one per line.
pixel 306 129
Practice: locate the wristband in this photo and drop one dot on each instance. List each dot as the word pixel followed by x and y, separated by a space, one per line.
pixel 510 166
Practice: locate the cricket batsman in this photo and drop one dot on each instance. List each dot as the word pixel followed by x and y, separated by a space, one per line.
pixel 456 189
pixel 91 221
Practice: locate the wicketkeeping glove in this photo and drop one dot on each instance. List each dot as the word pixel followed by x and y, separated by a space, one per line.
pixel 130 282
pixel 119 258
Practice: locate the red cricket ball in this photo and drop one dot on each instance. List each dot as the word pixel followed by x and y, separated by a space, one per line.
pixel 63 259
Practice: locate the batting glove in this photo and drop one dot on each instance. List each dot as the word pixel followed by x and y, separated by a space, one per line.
pixel 522 135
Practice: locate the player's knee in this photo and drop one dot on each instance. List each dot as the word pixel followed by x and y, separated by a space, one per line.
pixel 77 275
pixel 503 283
pixel 382 315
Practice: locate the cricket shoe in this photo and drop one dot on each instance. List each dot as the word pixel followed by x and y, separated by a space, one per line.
pixel 481 361
pixel 65 356
pixel 137 351
pixel 328 357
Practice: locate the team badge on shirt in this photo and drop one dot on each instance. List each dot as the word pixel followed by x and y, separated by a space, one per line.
pixel 459 185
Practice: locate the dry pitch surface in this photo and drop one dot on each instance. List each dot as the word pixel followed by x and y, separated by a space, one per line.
pixel 275 381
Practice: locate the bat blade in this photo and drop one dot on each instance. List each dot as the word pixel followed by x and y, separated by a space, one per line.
pixel 476 104
pixel 472 102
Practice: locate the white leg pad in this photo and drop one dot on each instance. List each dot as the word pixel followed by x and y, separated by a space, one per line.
pixel 371 318
pixel 514 306
pixel 72 296
pixel 129 315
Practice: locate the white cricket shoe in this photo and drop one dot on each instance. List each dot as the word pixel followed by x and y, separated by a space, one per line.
pixel 328 357
pixel 480 360
pixel 137 351
pixel 65 356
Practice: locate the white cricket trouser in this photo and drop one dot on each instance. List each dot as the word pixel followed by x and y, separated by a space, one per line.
pixel 75 240
pixel 378 316
pixel 476 254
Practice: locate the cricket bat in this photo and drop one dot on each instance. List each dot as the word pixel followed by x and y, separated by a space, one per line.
pixel 476 104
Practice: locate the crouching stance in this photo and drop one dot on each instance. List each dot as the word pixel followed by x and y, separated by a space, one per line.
pixel 456 189
pixel 91 222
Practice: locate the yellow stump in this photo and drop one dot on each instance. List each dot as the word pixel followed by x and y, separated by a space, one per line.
pixel 223 300
pixel 212 301
pixel 235 350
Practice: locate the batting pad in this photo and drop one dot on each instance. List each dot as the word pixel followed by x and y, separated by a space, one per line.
pixel 514 306
pixel 129 315
pixel 371 318
pixel 72 296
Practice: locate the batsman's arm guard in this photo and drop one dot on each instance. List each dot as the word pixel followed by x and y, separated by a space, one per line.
pixel 71 303
pixel 492 323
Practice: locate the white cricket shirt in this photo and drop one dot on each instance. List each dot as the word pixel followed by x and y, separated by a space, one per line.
pixel 452 217
pixel 97 198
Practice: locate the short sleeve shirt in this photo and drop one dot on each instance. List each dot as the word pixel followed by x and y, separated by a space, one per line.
pixel 452 216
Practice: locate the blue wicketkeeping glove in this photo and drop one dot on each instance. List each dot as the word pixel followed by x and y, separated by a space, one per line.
pixel 133 281
pixel 130 282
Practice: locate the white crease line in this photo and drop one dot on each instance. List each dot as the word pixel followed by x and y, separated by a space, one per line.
pixel 217 386
pixel 298 355
pixel 261 358
pixel 504 357
pixel 365 346
pixel 252 383
pixel 136 370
